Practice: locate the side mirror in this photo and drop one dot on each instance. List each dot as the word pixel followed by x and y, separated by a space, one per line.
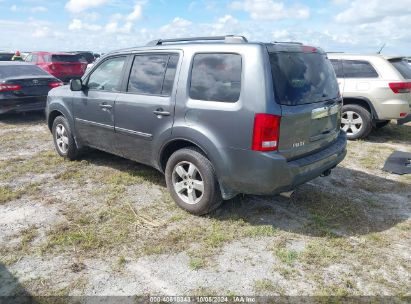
pixel 76 85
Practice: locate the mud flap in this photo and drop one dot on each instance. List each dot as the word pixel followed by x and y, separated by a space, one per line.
pixel 398 163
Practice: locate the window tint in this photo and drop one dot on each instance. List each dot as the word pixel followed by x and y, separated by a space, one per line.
pixel 358 69
pixel 403 67
pixel 337 68
pixel 170 74
pixel 216 77
pixel 153 74
pixel 21 70
pixel 65 58
pixel 302 78
pixel 6 57
pixel 107 76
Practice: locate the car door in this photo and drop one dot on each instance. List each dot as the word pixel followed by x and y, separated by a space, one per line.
pixel 144 111
pixel 337 65
pixel 93 107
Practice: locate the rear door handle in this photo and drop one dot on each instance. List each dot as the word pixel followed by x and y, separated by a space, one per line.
pixel 161 112
pixel 105 106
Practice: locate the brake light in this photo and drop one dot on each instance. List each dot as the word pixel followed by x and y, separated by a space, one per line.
pixel 55 84
pixel 400 87
pixel 9 87
pixel 308 49
pixel 403 114
pixel 266 132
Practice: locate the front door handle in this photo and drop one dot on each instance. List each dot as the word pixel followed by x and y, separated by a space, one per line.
pixel 105 106
pixel 161 112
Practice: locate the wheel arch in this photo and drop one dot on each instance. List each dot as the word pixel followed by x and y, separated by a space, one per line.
pixel 172 146
pixel 362 101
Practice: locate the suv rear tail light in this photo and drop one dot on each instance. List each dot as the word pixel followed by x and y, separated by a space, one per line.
pixel 9 87
pixel 400 87
pixel 266 132
pixel 55 84
pixel 308 49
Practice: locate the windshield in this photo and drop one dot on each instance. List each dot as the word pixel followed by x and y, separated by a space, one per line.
pixel 301 78
pixel 65 58
pixel 6 57
pixel 403 67
pixel 8 71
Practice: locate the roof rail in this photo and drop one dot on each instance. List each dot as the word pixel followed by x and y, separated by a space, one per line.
pixel 288 42
pixel 226 39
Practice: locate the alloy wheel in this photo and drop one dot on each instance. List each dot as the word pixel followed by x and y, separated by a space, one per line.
pixel 188 182
pixel 62 139
pixel 351 122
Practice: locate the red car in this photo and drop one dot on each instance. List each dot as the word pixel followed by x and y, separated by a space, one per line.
pixel 64 66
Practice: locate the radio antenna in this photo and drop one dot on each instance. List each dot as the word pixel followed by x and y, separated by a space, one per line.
pixel 382 47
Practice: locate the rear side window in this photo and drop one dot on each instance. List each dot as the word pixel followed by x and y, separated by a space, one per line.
pixel 302 78
pixel 358 69
pixel 21 70
pixel 65 58
pixel 153 74
pixel 216 77
pixel 337 68
pixel 403 67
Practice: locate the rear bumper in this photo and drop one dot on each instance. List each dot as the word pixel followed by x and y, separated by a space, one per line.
pixel 23 104
pixel 391 109
pixel 257 173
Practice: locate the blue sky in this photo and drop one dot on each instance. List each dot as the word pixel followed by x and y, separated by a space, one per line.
pixel 104 25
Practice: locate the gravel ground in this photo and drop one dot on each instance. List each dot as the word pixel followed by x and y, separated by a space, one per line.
pixel 104 225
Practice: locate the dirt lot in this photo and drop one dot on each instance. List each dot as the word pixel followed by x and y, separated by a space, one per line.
pixel 107 226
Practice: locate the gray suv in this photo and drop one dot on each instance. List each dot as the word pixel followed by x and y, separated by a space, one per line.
pixel 218 115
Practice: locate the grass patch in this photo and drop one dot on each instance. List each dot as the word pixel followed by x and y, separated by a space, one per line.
pixel 324 252
pixel 266 286
pixel 196 263
pixel 8 194
pixel 286 256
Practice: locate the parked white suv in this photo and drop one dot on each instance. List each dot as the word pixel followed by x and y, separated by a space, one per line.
pixel 375 89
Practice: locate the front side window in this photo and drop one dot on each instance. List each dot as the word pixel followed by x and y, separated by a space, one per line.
pixel 107 76
pixel 358 69
pixel 216 77
pixel 153 74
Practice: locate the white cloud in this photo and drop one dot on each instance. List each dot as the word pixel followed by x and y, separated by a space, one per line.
pixel 360 12
pixel 77 25
pixel 271 10
pixel 77 6
pixel 114 28
pixel 28 9
pixel 136 13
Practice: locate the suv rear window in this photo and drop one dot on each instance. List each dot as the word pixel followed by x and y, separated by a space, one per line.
pixel 216 77
pixel 301 78
pixel 65 58
pixel 6 57
pixel 358 69
pixel 403 67
pixel 7 71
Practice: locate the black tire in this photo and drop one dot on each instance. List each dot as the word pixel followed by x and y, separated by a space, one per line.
pixel 71 152
pixel 381 124
pixel 363 129
pixel 211 195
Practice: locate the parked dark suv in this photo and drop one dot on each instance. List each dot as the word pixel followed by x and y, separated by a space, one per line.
pixel 218 115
